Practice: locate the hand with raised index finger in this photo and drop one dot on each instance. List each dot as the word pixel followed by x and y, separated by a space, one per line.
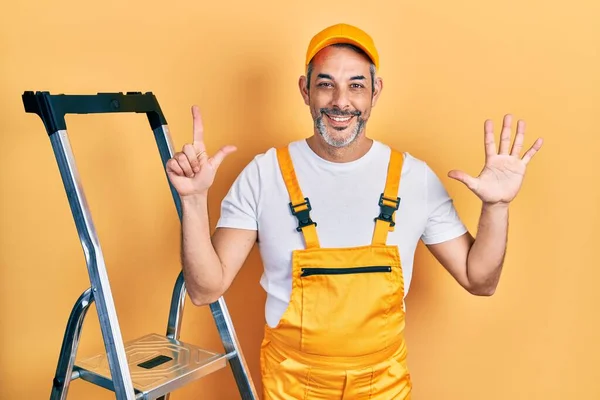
pixel 192 171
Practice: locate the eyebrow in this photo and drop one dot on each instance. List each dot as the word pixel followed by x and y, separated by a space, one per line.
pixel 354 78
pixel 325 76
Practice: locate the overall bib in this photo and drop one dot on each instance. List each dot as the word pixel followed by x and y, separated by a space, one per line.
pixel 342 335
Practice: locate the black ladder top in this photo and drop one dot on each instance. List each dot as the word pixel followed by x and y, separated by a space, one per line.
pixel 52 108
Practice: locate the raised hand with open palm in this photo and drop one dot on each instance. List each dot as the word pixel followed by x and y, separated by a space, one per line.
pixel 192 171
pixel 502 175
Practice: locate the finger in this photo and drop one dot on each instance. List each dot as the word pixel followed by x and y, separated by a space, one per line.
pixel 220 155
pixel 173 166
pixel 518 144
pixel 490 144
pixel 190 151
pixel 184 163
pixel 532 150
pixel 505 135
pixel 464 178
pixel 198 129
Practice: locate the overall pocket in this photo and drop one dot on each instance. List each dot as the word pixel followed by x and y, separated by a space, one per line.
pixel 345 310
pixel 342 271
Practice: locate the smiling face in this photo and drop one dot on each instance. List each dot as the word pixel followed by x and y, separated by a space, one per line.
pixel 340 89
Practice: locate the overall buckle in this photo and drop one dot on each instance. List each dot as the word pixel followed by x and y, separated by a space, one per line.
pixel 386 212
pixel 304 215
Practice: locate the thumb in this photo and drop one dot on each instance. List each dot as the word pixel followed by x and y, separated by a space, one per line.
pixel 220 155
pixel 464 178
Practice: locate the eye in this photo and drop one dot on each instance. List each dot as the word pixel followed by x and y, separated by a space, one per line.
pixel 357 86
pixel 324 84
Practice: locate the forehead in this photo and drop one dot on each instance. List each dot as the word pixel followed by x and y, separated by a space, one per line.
pixel 340 62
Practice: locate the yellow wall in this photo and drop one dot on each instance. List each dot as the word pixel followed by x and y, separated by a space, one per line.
pixel 446 66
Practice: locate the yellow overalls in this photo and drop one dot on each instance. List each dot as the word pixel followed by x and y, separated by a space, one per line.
pixel 342 335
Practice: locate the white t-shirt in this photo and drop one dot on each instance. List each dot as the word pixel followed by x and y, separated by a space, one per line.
pixel 344 198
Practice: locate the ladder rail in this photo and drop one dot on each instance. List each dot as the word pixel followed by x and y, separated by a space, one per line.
pixel 176 314
pixel 176 309
pixel 100 285
pixel 164 143
pixel 239 367
pixel 66 360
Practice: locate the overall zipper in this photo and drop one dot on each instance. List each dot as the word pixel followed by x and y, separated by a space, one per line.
pixel 344 271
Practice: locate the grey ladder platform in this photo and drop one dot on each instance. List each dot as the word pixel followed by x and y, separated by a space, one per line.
pixel 154 365
pixel 157 364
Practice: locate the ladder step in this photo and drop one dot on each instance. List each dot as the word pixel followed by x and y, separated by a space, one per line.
pixel 158 365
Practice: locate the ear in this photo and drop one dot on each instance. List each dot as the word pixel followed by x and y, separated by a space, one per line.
pixel 377 90
pixel 302 85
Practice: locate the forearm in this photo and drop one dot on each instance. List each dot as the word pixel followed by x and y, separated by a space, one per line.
pixel 486 256
pixel 202 268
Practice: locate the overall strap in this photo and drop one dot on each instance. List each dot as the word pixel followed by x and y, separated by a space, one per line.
pixel 299 205
pixel 389 200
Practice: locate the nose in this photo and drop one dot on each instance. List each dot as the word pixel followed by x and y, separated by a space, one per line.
pixel 341 98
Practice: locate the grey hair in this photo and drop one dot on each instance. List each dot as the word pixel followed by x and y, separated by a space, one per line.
pixel 310 67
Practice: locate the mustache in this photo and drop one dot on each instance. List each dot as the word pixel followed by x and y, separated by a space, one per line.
pixel 338 112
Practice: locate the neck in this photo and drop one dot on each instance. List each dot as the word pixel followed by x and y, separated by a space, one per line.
pixel 352 152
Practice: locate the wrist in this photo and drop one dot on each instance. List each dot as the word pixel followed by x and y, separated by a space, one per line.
pixel 498 206
pixel 194 200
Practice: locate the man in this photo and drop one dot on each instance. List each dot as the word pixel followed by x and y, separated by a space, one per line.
pixel 337 218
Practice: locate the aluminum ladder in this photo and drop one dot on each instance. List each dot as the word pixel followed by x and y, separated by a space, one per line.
pixel 154 365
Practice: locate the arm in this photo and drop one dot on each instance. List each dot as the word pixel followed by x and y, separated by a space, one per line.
pixel 210 264
pixel 476 263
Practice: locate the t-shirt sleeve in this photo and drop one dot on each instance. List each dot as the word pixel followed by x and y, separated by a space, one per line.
pixel 443 221
pixel 240 204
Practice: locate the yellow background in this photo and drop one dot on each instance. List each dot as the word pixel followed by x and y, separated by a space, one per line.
pixel 447 66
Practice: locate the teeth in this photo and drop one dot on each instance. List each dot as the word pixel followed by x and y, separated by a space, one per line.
pixel 339 119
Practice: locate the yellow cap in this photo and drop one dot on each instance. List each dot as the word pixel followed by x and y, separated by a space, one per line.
pixel 342 33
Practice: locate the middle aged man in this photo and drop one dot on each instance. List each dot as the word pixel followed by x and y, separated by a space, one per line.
pixel 337 217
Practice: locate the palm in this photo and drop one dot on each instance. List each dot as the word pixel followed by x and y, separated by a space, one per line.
pixel 502 175
pixel 196 184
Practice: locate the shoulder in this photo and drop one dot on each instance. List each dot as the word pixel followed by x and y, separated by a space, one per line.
pixel 269 156
pixel 410 163
pixel 264 166
pixel 267 161
pixel 260 162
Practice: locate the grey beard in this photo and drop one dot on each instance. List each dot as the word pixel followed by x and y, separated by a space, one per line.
pixel 330 140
